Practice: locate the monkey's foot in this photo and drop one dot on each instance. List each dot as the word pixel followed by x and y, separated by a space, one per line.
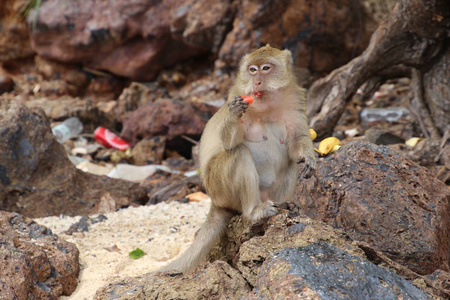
pixel 309 166
pixel 264 210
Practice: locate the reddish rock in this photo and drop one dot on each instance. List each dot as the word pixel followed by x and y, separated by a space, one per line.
pixel 137 95
pixel 36 177
pixel 109 35
pixel 72 76
pixel 440 281
pixel 379 197
pixel 36 264
pixel 156 35
pixel 149 151
pixel 167 117
pixel 14 36
pixel 6 83
pixel 321 34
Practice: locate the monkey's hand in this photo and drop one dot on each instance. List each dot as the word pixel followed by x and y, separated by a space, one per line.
pixel 238 106
pixel 309 167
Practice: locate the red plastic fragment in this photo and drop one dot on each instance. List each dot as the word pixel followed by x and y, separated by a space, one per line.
pixel 110 139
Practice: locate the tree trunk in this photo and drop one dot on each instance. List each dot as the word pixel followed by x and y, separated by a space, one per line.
pixel 416 35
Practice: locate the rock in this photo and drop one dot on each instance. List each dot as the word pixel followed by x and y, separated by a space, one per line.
pixel 6 83
pixel 210 88
pixel 137 95
pixel 14 37
pixel 384 199
pixel 75 79
pixel 108 35
pixel 322 271
pixel 440 280
pixel 149 151
pixel 312 33
pixel 156 35
pixel 171 80
pixel 36 264
pixel 218 281
pixel 254 250
pixel 425 153
pixel 180 164
pixel 84 224
pixel 105 87
pixel 169 117
pixel 246 246
pixel 36 177
pixel 382 137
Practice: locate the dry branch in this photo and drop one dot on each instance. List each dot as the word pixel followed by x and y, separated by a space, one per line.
pixel 413 35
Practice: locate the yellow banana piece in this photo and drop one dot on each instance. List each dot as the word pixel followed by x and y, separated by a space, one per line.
pixel 412 142
pixel 328 145
pixel 312 134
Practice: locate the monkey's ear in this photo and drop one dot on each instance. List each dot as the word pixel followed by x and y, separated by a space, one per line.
pixel 288 56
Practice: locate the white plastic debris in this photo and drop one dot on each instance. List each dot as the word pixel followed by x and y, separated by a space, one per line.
pixel 136 173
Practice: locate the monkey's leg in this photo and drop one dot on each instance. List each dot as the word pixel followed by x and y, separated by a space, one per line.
pixel 283 190
pixel 233 182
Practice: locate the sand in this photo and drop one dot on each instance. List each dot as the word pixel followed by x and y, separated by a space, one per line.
pixel 162 231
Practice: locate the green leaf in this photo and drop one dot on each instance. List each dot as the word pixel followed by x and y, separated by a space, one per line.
pixel 136 253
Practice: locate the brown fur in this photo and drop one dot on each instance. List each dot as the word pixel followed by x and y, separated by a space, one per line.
pixel 248 153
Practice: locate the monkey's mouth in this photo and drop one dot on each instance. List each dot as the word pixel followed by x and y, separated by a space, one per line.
pixel 258 94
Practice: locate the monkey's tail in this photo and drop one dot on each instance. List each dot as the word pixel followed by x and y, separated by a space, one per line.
pixel 206 238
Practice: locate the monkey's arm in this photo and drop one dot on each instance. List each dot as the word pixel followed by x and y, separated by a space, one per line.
pixel 231 130
pixel 301 148
pixel 305 154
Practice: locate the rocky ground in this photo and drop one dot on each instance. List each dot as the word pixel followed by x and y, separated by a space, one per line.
pixel 377 210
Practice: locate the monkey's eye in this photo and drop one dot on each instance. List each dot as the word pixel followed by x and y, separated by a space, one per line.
pixel 253 69
pixel 265 67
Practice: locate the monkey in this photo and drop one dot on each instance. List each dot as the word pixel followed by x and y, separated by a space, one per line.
pixel 248 153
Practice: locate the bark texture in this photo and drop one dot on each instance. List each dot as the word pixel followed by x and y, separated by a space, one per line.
pixel 415 35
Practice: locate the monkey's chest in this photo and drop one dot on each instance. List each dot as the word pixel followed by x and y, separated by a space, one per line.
pixel 266 133
pixel 266 142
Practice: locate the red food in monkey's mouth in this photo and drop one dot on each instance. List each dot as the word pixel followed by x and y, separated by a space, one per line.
pixel 258 94
pixel 248 99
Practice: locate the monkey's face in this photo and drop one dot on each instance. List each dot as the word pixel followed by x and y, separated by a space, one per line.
pixel 266 70
pixel 260 76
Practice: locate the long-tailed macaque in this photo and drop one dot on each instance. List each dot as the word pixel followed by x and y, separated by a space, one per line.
pixel 248 153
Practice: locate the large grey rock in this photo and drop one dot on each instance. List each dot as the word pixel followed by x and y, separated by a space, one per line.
pixel 322 271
